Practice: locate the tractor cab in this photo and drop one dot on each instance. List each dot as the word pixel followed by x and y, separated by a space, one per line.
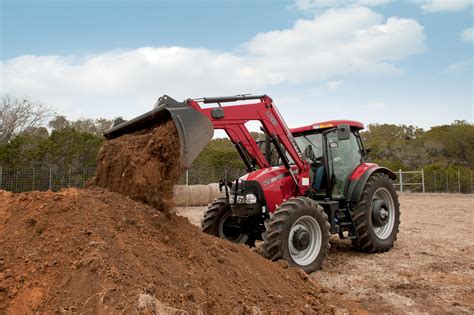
pixel 333 158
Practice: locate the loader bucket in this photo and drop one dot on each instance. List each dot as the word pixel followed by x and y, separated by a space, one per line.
pixel 195 130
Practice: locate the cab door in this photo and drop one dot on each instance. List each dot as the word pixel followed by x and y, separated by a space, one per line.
pixel 343 157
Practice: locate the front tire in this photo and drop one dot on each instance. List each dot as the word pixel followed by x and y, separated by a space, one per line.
pixel 298 232
pixel 377 215
pixel 218 221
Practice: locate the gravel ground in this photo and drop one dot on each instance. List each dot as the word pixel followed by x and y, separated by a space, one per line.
pixel 430 269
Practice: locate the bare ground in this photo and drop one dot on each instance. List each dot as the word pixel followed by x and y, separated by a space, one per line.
pixel 430 269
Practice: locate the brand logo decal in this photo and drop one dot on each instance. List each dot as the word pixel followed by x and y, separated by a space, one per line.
pixel 272 119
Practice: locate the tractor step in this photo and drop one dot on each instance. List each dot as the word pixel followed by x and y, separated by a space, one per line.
pixel 331 207
pixel 345 223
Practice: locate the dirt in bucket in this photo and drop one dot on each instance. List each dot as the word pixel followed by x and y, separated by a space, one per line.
pixel 144 165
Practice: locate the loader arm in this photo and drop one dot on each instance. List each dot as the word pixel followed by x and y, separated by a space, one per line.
pixel 232 120
pixel 245 145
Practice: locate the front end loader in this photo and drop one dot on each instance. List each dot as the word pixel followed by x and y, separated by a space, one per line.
pixel 302 186
pixel 194 129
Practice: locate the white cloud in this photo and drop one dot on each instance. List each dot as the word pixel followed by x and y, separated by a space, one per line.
pixel 308 5
pixel 431 6
pixel 459 66
pixel 336 43
pixel 468 35
pixel 130 80
pixel 334 85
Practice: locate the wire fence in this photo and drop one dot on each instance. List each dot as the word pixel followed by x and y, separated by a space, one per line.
pixel 208 176
pixel 42 179
pixel 449 180
pixel 54 178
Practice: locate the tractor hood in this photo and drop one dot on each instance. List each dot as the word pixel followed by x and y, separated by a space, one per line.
pixel 276 183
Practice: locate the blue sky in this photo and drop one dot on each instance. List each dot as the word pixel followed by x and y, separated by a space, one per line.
pixel 371 60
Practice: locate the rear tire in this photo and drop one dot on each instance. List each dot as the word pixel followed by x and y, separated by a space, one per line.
pixel 298 232
pixel 217 219
pixel 377 215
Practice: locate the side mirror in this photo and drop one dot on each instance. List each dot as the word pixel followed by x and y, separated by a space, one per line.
pixel 343 132
pixel 368 150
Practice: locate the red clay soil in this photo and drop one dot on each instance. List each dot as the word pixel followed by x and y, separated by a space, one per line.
pixel 144 165
pixel 95 251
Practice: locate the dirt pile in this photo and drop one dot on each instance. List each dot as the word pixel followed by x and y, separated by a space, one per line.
pixel 144 165
pixel 94 251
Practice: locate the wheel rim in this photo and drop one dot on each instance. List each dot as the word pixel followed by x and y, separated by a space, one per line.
pixel 305 240
pixel 226 231
pixel 386 213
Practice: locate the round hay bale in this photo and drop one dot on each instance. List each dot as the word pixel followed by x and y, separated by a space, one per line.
pixel 195 195
pixel 214 191
pixel 180 196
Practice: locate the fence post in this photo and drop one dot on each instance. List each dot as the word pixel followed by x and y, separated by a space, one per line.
pixel 16 181
pixel 33 180
pixel 423 179
pixel 187 177
pixel 459 182
pixel 435 181
pixel 447 181
pixel 471 180
pixel 400 178
pixel 1 177
pixel 50 178
pixel 83 176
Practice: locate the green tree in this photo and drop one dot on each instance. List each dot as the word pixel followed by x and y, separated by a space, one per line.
pixel 410 147
pixel 453 144
pixel 219 154
pixel 59 122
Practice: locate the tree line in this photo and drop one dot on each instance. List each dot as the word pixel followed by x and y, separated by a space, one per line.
pixel 31 136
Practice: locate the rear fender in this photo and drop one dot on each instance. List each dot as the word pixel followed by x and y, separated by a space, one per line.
pixel 359 178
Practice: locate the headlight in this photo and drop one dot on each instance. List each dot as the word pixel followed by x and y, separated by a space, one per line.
pixel 240 199
pixel 243 199
pixel 250 198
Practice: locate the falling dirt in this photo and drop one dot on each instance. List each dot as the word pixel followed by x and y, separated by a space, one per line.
pixel 144 165
pixel 94 251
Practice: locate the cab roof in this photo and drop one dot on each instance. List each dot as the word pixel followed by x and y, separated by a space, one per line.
pixel 327 124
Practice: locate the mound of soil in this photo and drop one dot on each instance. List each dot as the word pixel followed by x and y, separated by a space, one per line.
pixel 144 165
pixel 95 251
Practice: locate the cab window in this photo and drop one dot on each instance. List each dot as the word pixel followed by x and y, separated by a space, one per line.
pixel 345 156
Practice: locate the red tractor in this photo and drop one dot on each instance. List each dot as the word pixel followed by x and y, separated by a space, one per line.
pixel 303 184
